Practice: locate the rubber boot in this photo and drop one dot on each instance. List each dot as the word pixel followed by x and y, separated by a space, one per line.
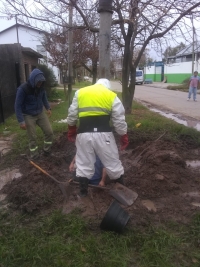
pixel 83 185
pixel 120 180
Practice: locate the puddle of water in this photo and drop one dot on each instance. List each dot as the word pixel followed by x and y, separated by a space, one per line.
pixel 192 194
pixel 193 163
pixel 196 204
pixel 174 117
pixel 8 175
pixel 149 205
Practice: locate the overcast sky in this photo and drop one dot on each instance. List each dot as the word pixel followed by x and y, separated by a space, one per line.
pixel 4 23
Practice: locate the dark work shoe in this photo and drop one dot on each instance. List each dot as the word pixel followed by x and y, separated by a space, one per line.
pixel 120 180
pixel 83 185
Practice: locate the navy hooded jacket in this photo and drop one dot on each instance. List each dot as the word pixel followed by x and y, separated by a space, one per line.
pixel 30 99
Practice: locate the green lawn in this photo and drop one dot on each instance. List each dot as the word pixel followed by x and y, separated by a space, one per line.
pixel 61 240
pixel 57 240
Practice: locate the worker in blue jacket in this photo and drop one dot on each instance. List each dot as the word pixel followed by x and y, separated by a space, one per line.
pixel 29 108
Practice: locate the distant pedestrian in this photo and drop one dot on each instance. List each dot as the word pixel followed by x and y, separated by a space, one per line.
pixel 30 100
pixel 193 85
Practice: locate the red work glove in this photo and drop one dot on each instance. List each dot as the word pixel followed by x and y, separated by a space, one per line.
pixel 124 142
pixel 71 134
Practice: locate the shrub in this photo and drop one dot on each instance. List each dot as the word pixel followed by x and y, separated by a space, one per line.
pixel 49 76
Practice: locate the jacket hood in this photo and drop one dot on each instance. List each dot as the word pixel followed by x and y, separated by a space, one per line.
pixel 104 82
pixel 35 76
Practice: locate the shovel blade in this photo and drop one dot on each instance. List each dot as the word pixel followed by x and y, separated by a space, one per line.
pixel 123 194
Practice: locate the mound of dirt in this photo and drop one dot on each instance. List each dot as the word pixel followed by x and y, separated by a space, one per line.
pixel 167 188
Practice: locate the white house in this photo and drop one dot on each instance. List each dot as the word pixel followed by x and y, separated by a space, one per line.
pixel 177 68
pixel 28 37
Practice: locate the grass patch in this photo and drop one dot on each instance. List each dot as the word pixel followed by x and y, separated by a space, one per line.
pixel 153 123
pixel 66 240
pixel 184 87
pixel 180 87
pixel 82 84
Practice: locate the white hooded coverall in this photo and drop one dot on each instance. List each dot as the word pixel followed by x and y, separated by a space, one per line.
pixel 102 144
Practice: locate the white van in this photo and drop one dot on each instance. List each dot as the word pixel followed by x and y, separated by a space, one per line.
pixel 139 77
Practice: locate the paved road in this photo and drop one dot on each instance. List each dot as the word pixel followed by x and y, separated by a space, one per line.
pixel 174 101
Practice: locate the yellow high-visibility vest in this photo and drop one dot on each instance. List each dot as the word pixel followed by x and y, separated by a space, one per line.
pixel 95 100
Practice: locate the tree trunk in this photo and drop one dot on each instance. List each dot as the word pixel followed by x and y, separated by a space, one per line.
pixel 128 104
pixel 127 91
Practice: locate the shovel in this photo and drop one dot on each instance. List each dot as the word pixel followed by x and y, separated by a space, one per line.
pixel 118 191
pixel 123 194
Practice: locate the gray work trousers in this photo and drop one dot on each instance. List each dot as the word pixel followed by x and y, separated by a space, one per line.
pixel 43 122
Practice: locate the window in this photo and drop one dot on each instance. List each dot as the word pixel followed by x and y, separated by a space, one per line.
pixel 138 73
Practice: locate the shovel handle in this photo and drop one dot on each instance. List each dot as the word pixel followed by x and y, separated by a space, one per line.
pixel 91 185
pixel 39 168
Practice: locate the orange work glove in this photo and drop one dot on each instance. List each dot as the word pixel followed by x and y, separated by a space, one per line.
pixel 124 142
pixel 72 132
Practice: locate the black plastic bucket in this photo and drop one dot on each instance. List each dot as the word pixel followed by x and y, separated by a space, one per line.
pixel 115 218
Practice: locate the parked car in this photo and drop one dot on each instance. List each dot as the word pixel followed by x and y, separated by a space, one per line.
pixel 86 78
pixel 139 77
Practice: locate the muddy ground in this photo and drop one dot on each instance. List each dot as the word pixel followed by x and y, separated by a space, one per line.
pixel 168 189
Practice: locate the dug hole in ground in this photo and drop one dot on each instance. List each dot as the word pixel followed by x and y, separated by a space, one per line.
pixel 167 185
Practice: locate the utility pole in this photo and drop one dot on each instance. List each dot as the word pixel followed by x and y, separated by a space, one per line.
pixel 105 11
pixel 17 29
pixel 70 54
pixel 193 41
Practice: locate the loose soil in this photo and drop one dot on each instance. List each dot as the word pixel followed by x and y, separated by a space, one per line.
pixel 161 179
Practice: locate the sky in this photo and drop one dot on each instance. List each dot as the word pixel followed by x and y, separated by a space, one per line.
pixel 5 23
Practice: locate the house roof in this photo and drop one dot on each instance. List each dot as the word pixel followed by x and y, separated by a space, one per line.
pixel 21 25
pixel 188 50
pixel 29 51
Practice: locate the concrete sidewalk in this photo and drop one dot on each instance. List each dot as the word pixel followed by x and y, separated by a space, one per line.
pixel 160 85
pixel 164 85
pixel 169 100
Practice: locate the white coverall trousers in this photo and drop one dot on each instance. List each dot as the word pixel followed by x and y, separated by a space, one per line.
pixel 104 146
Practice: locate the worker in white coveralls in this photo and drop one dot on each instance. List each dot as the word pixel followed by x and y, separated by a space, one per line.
pixel 94 106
